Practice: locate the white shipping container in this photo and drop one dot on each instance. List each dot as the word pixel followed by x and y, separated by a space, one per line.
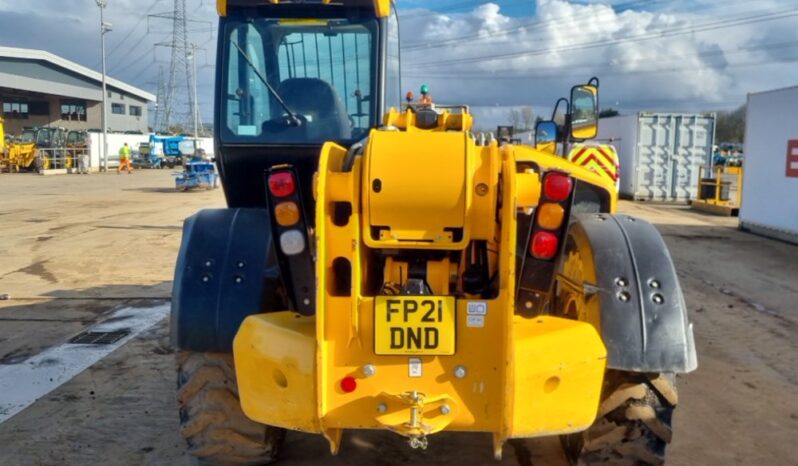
pixel 660 153
pixel 770 176
pixel 115 142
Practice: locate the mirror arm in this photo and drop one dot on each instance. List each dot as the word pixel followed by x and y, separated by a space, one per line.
pixel 594 81
pixel 557 106
pixel 567 139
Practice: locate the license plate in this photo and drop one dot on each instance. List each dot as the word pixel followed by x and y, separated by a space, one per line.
pixel 414 325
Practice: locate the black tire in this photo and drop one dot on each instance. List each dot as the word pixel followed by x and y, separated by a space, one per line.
pixel 633 427
pixel 217 431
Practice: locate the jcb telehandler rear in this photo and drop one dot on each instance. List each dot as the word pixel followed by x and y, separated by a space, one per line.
pixel 378 269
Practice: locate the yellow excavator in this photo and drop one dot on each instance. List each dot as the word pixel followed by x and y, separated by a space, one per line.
pixel 16 155
pixel 380 267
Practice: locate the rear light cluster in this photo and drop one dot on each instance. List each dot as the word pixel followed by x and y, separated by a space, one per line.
pixel 550 217
pixel 290 228
pixel 287 211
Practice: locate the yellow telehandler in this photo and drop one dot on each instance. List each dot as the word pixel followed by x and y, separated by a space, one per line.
pixel 16 155
pixel 377 267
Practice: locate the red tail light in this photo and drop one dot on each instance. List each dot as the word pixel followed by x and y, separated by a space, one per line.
pixel 544 245
pixel 557 186
pixel 282 184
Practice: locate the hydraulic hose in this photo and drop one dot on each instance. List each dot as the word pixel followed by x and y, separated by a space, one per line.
pixel 352 153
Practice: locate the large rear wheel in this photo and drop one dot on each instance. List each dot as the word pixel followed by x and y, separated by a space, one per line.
pixel 211 420
pixel 633 427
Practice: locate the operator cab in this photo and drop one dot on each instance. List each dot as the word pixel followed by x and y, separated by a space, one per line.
pixel 294 75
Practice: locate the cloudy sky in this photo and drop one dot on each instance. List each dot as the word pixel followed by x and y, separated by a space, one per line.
pixel 675 55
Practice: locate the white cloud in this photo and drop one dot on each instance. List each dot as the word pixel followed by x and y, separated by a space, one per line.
pixel 689 72
pixel 655 69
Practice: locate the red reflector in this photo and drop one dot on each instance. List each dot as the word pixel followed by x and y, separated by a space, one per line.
pixel 557 186
pixel 348 384
pixel 544 245
pixel 282 184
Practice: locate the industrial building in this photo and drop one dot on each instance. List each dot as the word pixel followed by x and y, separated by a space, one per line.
pixel 38 88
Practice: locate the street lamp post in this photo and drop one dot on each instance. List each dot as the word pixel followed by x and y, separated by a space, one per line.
pixel 104 29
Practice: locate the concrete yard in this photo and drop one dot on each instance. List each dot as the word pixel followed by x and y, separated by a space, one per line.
pixel 79 250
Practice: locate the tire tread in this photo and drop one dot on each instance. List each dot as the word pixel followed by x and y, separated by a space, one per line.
pixel 633 427
pixel 212 422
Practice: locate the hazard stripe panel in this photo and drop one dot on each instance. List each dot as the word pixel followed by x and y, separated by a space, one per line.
pixel 602 159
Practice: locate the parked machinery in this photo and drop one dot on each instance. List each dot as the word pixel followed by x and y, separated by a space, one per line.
pixel 720 184
pixel 150 156
pixel 728 154
pixel 28 135
pixel 506 135
pixel 16 154
pixel 3 144
pixel 51 148
pixel 378 269
pixel 172 150
pixel 78 147
pixel 197 174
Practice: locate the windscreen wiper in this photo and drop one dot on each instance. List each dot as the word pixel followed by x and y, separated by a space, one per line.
pixel 295 120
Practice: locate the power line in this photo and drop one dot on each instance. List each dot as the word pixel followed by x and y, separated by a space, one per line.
pixel 143 71
pixel 130 33
pixel 131 63
pixel 576 75
pixel 688 29
pixel 523 27
pixel 648 35
pixel 125 60
pixel 599 68
pixel 665 100
pixel 139 23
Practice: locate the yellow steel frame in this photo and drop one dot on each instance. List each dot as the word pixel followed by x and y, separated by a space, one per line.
pixel 21 155
pixel 716 204
pixel 543 376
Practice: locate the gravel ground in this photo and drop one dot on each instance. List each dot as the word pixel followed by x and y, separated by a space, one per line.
pixel 76 248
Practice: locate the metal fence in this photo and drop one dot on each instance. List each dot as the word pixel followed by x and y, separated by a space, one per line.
pixel 72 159
pixel 721 185
pixel 720 190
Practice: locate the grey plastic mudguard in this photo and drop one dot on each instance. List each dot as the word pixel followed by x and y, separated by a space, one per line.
pixel 227 269
pixel 644 321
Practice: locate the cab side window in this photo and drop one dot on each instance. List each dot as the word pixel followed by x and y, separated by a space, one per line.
pixel 393 88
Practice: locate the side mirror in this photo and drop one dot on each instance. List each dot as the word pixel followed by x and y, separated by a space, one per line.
pixel 584 112
pixel 546 136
